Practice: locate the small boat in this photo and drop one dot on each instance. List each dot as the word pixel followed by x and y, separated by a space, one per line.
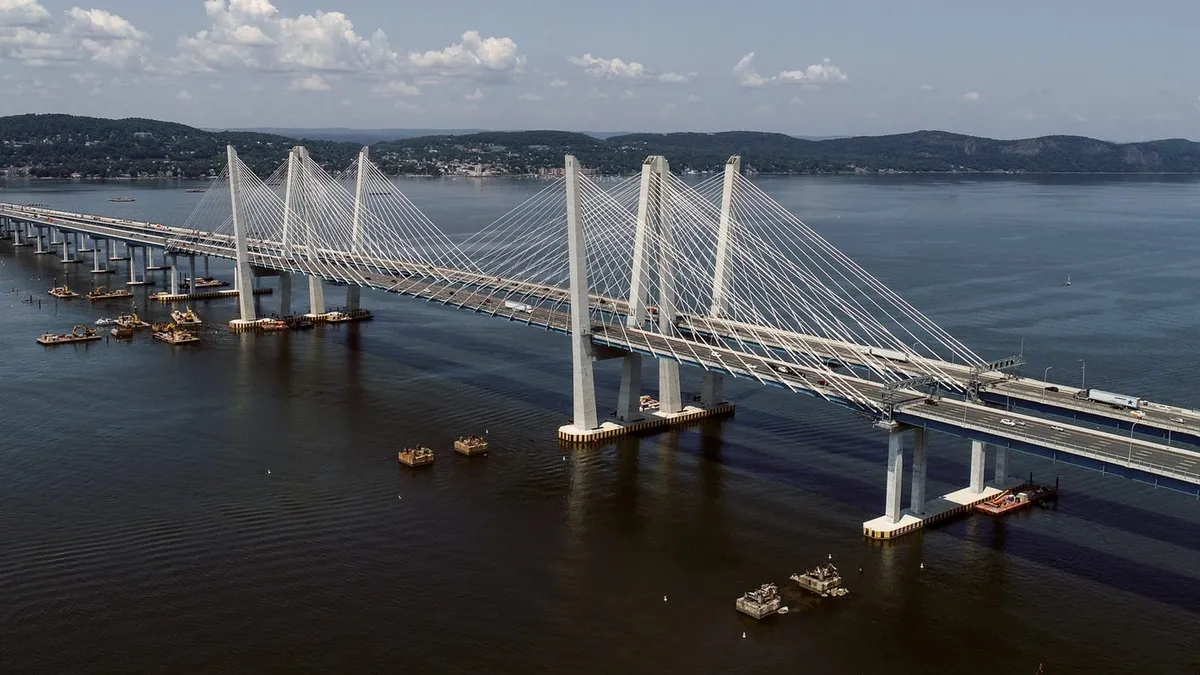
pixel 104 293
pixel 186 318
pixel 271 324
pixel 1068 280
pixel 106 322
pixel 172 334
pixel 122 199
pixel 194 190
pixel 419 456
pixel 77 334
pixel 63 292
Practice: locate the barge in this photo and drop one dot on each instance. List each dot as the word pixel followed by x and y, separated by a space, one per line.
pixel 122 332
pixel 761 602
pixel 203 282
pixel 1018 498
pixel 172 334
pixel 104 293
pixel 131 321
pixel 419 456
pixel 346 317
pixel 824 580
pixel 77 334
pixel 471 445
pixel 63 292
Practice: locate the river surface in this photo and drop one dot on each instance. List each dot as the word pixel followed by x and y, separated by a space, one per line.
pixel 236 506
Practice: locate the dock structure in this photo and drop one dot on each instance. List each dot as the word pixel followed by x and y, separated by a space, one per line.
pixel 205 295
pixel 824 580
pixel 471 445
pixel 414 457
pixel 77 334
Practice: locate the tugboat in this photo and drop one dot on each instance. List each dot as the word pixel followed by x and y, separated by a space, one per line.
pixel 419 456
pixel 186 318
pixel 471 445
pixel 131 321
pixel 823 580
pixel 63 292
pixel 171 334
pixel 103 293
pixel 764 601
pixel 77 334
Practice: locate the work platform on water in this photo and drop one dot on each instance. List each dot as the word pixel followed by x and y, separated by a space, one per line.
pixel 77 334
pixel 471 445
pixel 824 580
pixel 206 295
pixel 761 602
pixel 414 457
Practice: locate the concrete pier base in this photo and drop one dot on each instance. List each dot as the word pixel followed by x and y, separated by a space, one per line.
pixel 941 508
pixel 241 325
pixel 651 420
pixel 206 295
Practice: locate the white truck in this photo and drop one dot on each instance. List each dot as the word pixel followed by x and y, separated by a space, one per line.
pixel 890 354
pixel 518 306
pixel 1110 398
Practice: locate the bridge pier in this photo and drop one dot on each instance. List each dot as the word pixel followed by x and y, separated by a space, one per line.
pixel 285 294
pixel 1000 477
pixel 894 522
pixel 316 297
pixel 174 275
pixel 583 385
pixel 192 278
pixel 629 408
pixel 353 297
pixel 66 247
pixel 99 246
pixel 41 241
pixel 87 245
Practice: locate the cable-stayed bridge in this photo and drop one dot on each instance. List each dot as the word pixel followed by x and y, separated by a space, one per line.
pixel 715 275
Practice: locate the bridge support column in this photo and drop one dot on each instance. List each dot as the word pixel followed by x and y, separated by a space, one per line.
pixel 629 399
pixel 712 390
pixel 244 276
pixel 1001 469
pixel 174 275
pixel 192 271
pixel 917 503
pixel 316 296
pixel 895 472
pixel 583 385
pixel 978 461
pixel 670 398
pixel 66 247
pixel 41 242
pixel 96 247
pixel 129 250
pixel 206 273
pixel 149 258
pixel 353 298
pixel 285 294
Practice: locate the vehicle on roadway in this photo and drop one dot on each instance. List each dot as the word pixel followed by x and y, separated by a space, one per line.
pixel 1057 428
pixel 1178 420
pixel 1007 422
pixel 1118 400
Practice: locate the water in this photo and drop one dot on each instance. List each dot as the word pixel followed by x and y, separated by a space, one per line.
pixel 237 506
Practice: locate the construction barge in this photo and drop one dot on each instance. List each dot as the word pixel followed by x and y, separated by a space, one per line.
pixel 104 293
pixel 824 580
pixel 203 282
pixel 131 321
pixel 77 334
pixel 62 292
pixel 1018 498
pixel 471 445
pixel 172 334
pixel 186 318
pixel 761 602
pixel 415 457
pixel 344 317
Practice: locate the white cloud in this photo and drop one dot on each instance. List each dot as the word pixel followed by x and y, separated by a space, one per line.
pixel 23 13
pixel 312 82
pixel 632 71
pixel 476 95
pixel 255 35
pixel 183 95
pixel 798 102
pixel 628 94
pixel 558 83
pixel 407 106
pixel 927 87
pixel 530 97
pixel 972 97
pixel 814 75
pixel 82 36
pixel 395 88
pixel 693 98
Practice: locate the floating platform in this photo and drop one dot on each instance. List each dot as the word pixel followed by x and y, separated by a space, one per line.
pixel 63 293
pixel 122 332
pixel 1018 498
pixel 118 258
pixel 175 336
pixel 77 334
pixel 341 317
pixel 70 261
pixel 204 295
pixel 109 271
pixel 261 325
pixel 131 321
pixel 103 293
pixel 761 602
pixel 471 445
pixel 186 318
pixel 824 580
pixel 415 456
pixel 656 419
pixel 947 506
pixel 143 282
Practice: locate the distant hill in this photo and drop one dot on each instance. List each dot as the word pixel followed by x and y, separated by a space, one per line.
pixel 360 136
pixel 62 145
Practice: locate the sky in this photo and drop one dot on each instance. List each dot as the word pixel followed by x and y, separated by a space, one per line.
pixel 1115 70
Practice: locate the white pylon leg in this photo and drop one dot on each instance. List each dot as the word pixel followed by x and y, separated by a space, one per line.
pixel 1001 476
pixel 978 461
pixel 630 394
pixel 289 187
pixel 353 298
pixel 316 296
pixel 670 398
pixel 712 390
pixel 356 224
pixel 192 272
pixel 129 250
pixel 629 400
pixel 582 380
pixel 244 276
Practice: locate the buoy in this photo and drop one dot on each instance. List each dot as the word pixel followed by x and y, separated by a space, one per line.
pixel 664 598
pixel 922 565
pixel 268 471
pixel 743 635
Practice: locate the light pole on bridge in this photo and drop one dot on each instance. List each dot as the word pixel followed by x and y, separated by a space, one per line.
pixel 1046 381
pixel 1082 374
